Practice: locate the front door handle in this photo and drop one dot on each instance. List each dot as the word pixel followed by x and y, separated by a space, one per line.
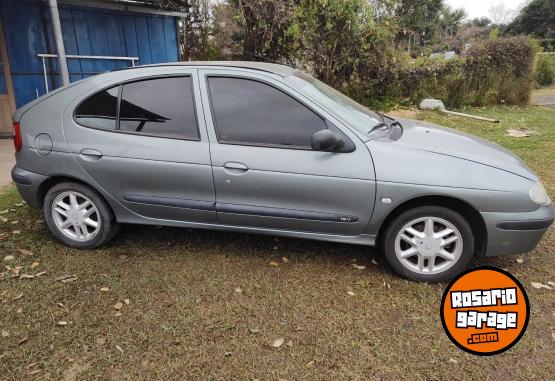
pixel 90 154
pixel 236 166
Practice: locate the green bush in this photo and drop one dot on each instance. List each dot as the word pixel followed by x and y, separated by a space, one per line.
pixel 493 72
pixel 499 71
pixel 544 70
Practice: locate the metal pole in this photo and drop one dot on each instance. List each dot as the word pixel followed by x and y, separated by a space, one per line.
pixel 44 73
pixel 53 4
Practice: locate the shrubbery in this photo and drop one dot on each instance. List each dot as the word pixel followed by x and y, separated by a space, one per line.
pixel 492 72
pixel 358 49
pixel 545 72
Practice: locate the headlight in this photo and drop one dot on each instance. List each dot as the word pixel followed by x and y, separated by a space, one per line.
pixel 538 194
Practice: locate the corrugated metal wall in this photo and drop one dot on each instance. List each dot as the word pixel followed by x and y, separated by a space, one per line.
pixel 87 31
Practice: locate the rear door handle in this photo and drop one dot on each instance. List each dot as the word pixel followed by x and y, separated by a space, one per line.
pixel 90 154
pixel 236 166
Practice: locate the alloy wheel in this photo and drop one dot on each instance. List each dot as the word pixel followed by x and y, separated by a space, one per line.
pixel 428 245
pixel 76 216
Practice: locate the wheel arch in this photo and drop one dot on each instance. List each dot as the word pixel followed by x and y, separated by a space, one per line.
pixel 52 181
pixel 465 209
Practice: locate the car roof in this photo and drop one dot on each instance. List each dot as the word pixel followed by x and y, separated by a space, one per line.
pixel 278 69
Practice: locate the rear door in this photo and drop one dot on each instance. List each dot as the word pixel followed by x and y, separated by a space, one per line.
pixel 144 143
pixel 265 173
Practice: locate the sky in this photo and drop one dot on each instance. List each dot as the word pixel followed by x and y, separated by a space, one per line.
pixel 480 8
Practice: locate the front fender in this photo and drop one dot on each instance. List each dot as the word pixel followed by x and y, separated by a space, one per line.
pixel 405 174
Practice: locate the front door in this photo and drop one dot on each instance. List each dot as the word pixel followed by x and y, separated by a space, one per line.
pixel 142 142
pixel 265 173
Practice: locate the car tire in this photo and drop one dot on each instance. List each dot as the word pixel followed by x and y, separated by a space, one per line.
pixel 72 210
pixel 428 244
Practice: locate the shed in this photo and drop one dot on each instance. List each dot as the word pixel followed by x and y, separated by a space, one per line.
pixel 97 36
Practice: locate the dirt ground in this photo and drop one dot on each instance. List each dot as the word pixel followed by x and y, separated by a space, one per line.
pixel 544 96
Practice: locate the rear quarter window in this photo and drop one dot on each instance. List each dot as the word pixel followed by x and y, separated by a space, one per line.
pixel 157 107
pixel 99 110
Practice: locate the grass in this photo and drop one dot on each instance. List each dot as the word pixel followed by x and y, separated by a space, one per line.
pixel 186 318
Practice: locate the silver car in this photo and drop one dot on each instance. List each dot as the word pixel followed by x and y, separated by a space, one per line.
pixel 263 148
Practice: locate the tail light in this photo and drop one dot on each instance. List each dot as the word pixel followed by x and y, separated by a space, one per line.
pixel 17 141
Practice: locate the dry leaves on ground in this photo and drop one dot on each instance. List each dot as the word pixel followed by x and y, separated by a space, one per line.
pixel 540 285
pixel 520 133
pixel 278 342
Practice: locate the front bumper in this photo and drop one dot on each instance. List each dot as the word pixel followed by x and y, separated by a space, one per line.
pixel 28 185
pixel 514 233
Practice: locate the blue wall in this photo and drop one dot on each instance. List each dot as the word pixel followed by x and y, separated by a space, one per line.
pixel 86 31
pixel 3 89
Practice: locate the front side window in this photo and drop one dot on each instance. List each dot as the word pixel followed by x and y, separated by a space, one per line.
pixel 351 112
pixel 252 112
pixel 100 110
pixel 162 106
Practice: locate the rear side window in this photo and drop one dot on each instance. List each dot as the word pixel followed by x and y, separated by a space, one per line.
pixel 255 113
pixel 162 106
pixel 100 110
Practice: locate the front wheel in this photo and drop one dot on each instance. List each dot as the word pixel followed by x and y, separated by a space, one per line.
pixel 428 244
pixel 78 216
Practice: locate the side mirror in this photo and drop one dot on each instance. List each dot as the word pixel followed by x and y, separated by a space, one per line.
pixel 326 140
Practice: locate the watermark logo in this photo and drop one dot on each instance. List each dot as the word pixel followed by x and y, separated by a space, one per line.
pixel 485 311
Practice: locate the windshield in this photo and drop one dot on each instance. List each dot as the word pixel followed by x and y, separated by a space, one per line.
pixel 345 108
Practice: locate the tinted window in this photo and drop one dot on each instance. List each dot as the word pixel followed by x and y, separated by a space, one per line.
pixel 248 111
pixel 99 111
pixel 162 106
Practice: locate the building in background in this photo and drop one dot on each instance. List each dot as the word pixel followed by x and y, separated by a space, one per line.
pixel 98 36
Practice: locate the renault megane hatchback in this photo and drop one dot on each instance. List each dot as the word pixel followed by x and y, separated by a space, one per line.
pixel 263 148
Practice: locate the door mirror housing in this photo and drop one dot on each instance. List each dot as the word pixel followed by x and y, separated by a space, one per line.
pixel 327 140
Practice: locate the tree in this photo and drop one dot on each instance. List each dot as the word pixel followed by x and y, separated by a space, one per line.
pixel 450 20
pixel 479 22
pixel 501 15
pixel 383 8
pixel 198 28
pixel 265 25
pixel 339 38
pixel 418 21
pixel 537 18
pixel 228 30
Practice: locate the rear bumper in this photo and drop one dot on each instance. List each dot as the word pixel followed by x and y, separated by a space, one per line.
pixel 28 184
pixel 514 233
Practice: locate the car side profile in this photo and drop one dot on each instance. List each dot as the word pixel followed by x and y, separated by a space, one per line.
pixel 263 148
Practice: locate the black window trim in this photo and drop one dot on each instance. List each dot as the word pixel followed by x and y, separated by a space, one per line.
pixel 326 121
pixel 120 85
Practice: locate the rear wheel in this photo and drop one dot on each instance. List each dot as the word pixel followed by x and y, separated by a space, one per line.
pixel 78 216
pixel 429 243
